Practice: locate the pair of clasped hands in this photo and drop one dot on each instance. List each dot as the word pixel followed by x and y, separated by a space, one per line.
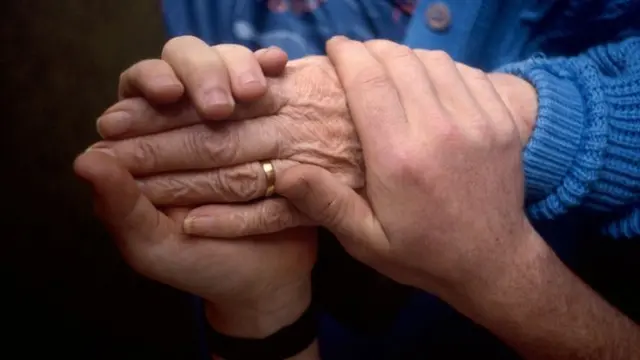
pixel 412 160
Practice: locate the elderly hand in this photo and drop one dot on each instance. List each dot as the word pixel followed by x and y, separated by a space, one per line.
pixel 444 181
pixel 303 118
pixel 252 286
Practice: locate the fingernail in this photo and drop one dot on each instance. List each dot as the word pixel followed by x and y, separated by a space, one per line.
pixel 216 97
pixel 339 38
pixel 191 224
pixel 105 151
pixel 162 81
pixel 113 124
pixel 271 49
pixel 249 78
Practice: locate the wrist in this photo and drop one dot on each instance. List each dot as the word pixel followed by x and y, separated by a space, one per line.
pixel 262 316
pixel 517 293
pixel 498 285
pixel 521 99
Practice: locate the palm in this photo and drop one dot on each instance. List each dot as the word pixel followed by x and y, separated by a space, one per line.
pixel 212 268
pixel 153 242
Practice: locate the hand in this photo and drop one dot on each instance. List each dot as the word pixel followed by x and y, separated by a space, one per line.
pixel 241 279
pixel 299 123
pixel 214 78
pixel 444 201
pixel 252 286
pixel 304 119
pixel 444 181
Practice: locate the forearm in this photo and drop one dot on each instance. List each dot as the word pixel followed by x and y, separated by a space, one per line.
pixel 543 310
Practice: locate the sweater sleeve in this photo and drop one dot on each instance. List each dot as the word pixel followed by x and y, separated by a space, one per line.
pixel 585 148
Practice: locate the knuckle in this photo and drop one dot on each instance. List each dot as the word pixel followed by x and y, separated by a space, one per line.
pixel 388 49
pixel 239 184
pixel 404 163
pixel 173 46
pixel 208 147
pixel 438 57
pixel 354 178
pixel 379 44
pixel 399 52
pixel 476 74
pixel 234 50
pixel 369 78
pixel 275 216
pixel 422 55
pixel 144 155
pixel 170 190
pixel 507 135
pixel 442 125
pixel 217 146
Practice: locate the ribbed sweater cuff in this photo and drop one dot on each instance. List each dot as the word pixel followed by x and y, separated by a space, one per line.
pixel 585 147
pixel 556 139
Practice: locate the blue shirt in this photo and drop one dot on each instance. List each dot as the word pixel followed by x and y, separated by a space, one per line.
pixel 302 27
pixel 582 163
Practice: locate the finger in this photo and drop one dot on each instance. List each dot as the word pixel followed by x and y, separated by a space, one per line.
pixel 247 80
pixel 153 80
pixel 409 76
pixel 447 82
pixel 120 205
pixel 203 73
pixel 316 193
pixel 240 183
pixel 136 117
pixel 238 220
pixel 373 101
pixel 198 147
pixel 272 60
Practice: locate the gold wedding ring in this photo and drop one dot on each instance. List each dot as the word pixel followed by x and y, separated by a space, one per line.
pixel 270 175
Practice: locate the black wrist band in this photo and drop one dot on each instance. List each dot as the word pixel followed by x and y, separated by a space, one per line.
pixel 285 343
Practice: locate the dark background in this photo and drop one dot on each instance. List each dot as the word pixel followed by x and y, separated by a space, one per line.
pixel 68 294
pixel 65 292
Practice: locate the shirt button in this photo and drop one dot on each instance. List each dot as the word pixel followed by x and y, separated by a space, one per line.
pixel 438 16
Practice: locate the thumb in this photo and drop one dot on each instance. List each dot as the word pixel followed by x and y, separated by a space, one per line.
pixel 121 206
pixel 325 200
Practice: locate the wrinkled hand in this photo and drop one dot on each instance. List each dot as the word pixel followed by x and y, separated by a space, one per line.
pixel 252 285
pixel 444 179
pixel 228 273
pixel 303 118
